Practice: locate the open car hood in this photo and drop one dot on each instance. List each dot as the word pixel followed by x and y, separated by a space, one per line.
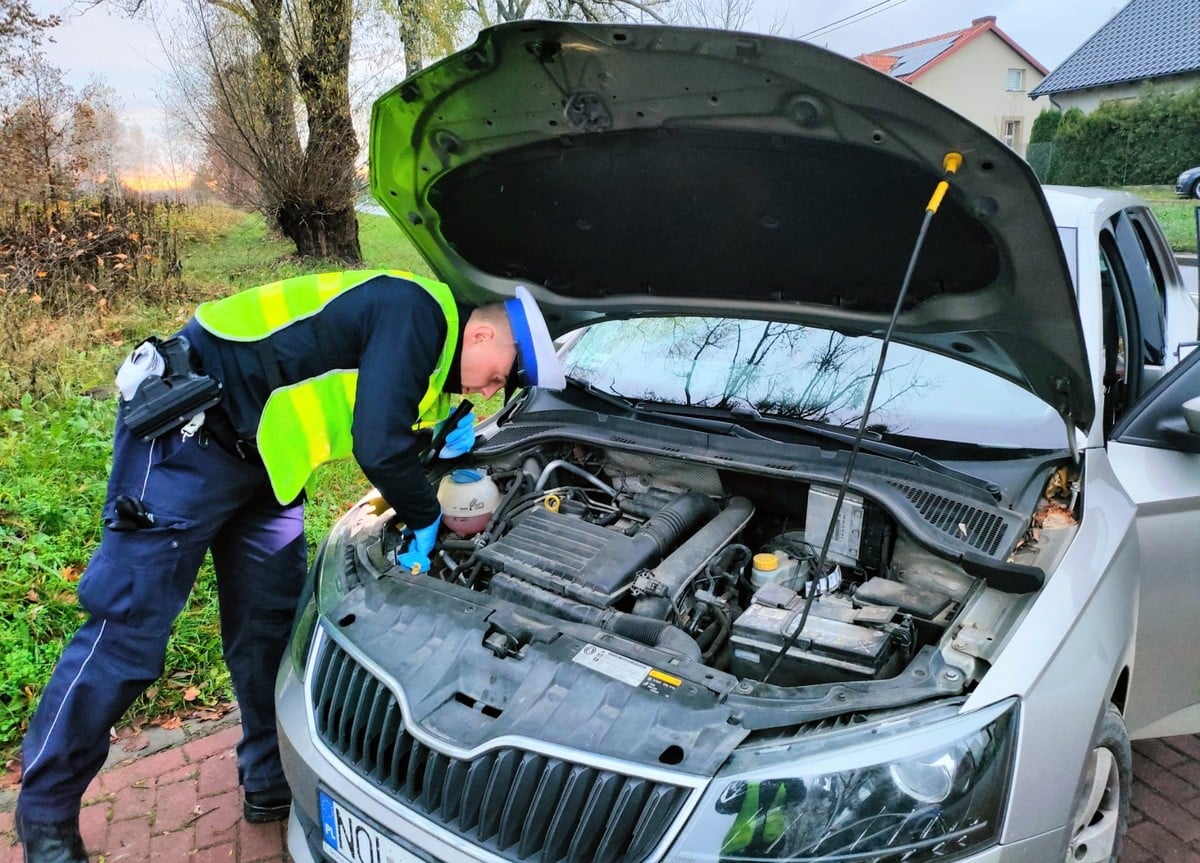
pixel 629 170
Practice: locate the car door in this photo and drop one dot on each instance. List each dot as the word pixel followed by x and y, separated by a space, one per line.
pixel 1157 460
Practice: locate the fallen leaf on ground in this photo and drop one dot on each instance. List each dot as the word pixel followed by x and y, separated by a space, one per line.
pixel 209 714
pixel 136 744
pixel 11 777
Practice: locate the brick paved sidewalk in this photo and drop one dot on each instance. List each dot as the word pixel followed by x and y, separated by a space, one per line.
pixel 182 805
pixel 1165 824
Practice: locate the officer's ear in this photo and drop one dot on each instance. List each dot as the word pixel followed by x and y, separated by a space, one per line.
pixel 479 330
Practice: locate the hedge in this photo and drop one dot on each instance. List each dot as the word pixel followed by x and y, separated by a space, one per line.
pixel 1129 143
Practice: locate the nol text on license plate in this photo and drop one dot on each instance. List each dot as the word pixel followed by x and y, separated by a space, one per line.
pixel 346 836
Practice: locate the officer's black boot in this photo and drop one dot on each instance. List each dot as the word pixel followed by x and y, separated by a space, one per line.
pixel 261 807
pixel 51 841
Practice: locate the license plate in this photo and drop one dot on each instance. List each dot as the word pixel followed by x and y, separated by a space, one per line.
pixel 349 838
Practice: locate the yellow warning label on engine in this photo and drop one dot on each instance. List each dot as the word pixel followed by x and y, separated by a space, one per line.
pixel 664 677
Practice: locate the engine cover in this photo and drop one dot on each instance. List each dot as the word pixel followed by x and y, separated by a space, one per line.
pixel 568 556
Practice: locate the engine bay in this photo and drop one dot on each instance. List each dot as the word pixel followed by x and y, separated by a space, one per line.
pixel 716 566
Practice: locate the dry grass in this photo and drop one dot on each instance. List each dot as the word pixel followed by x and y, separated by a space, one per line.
pixel 71 301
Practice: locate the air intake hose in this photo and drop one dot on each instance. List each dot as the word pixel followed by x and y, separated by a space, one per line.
pixel 668 525
pixel 683 564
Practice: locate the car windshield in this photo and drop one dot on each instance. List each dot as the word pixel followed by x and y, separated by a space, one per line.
pixel 795 371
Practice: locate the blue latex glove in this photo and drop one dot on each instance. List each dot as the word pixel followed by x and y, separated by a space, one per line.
pixel 460 439
pixel 415 559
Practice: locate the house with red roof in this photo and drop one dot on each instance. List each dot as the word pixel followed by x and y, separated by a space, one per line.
pixel 978 71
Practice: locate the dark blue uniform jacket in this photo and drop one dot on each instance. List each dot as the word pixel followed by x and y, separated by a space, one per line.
pixel 389 329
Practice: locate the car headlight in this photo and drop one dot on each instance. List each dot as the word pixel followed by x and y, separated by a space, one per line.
pixel 919 794
pixel 325 586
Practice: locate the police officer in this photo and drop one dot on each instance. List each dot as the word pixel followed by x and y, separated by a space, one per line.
pixel 312 369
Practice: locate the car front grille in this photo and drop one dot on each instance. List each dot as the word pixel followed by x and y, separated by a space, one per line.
pixel 521 805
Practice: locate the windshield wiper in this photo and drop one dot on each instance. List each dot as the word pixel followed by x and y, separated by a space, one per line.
pixel 732 422
pixel 748 413
pixel 730 428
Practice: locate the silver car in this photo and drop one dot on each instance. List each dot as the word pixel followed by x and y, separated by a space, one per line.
pixel 703 605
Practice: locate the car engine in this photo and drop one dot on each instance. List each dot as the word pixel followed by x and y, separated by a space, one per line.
pixel 713 565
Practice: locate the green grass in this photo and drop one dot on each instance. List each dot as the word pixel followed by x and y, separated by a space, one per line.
pixel 1176 215
pixel 247 255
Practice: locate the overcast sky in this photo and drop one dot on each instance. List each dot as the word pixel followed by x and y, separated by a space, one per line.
pixel 94 43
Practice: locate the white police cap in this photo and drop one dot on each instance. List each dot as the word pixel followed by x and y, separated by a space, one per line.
pixel 537 361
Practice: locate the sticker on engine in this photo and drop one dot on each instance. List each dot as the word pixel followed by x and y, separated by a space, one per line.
pixel 627 670
pixel 661 683
pixel 612 665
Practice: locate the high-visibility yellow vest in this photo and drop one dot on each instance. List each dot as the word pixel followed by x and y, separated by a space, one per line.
pixel 308 423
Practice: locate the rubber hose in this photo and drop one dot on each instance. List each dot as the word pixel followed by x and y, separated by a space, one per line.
pixel 690 558
pixel 669 524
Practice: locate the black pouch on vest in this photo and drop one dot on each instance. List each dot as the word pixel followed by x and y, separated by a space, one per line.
pixel 165 402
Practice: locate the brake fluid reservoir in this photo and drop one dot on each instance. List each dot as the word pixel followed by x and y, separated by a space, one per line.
pixel 468 498
pixel 772 566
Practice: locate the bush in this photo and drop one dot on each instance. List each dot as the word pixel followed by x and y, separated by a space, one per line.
pixel 1044 126
pixel 1143 142
pixel 69 253
pixel 63 269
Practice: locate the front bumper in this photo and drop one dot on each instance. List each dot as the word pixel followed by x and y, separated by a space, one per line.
pixel 487 792
pixel 310 765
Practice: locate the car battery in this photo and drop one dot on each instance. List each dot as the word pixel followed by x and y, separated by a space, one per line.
pixel 831 648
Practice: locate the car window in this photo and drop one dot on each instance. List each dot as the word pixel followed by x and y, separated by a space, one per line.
pixel 1143 298
pixel 1150 253
pixel 1150 421
pixel 809 373
pixel 1116 331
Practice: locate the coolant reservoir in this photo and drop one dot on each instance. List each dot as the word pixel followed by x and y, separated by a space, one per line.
pixel 468 498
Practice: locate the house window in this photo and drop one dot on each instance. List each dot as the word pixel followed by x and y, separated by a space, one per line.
pixel 1015 82
pixel 1012 133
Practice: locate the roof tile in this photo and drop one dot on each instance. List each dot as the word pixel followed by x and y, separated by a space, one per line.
pixel 1146 39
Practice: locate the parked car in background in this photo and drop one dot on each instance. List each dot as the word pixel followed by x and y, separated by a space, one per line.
pixel 665 622
pixel 1188 183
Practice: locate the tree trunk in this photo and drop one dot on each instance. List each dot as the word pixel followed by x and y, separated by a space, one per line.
pixel 410 36
pixel 328 226
pixel 321 234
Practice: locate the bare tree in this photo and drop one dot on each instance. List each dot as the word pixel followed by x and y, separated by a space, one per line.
pixel 20 27
pixel 266 85
pixel 51 136
pixel 491 12
pixel 783 369
pixel 429 29
pixel 716 14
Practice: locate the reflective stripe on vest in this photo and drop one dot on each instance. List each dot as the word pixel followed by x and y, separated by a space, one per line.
pixel 308 423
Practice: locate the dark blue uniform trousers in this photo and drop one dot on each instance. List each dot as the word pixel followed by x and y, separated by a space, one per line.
pixel 202 497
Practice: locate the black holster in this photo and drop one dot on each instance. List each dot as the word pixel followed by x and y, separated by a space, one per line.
pixel 165 402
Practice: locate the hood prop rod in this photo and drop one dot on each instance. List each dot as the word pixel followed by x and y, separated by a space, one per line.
pixel 950 163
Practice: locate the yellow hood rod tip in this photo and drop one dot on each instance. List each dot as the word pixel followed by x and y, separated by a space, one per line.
pixel 951 163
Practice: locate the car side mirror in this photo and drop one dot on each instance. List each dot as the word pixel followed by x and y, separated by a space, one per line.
pixel 1183 432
